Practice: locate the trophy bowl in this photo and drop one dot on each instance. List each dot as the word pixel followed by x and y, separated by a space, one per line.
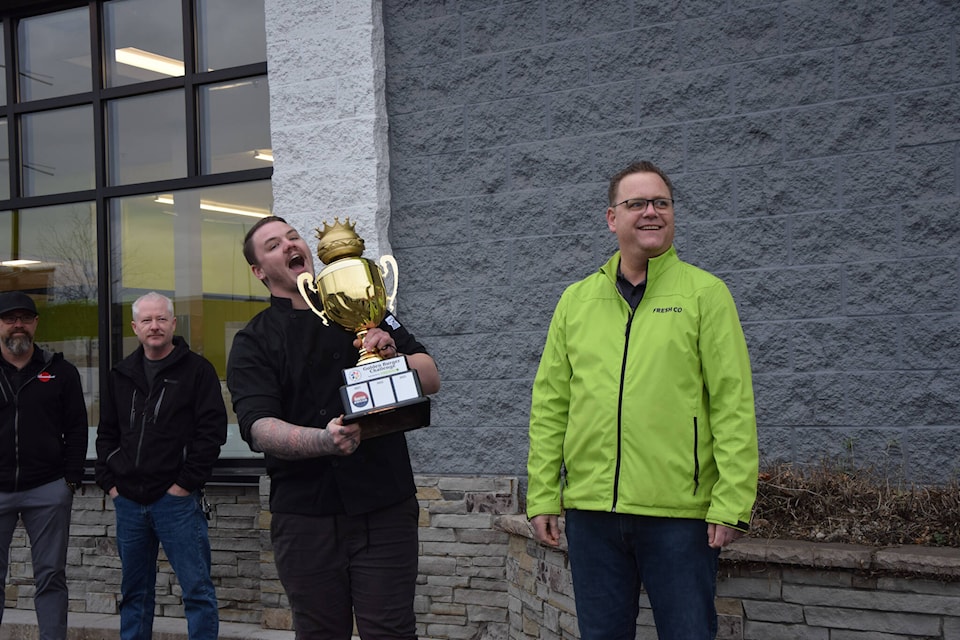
pixel 353 294
pixel 351 289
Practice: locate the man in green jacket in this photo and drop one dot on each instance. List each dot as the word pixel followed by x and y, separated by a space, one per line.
pixel 642 426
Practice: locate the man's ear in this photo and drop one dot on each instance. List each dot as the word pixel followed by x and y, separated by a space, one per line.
pixel 258 272
pixel 611 219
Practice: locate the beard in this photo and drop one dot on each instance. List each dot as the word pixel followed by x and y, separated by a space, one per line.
pixel 19 344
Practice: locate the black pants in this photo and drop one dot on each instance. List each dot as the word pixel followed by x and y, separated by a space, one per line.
pixel 335 567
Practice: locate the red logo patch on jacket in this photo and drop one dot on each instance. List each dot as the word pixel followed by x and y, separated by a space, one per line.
pixel 45 376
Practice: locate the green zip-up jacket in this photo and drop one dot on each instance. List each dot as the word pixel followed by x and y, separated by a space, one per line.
pixel 649 412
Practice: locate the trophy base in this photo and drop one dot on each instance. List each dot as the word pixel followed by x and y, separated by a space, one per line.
pixel 402 416
pixel 384 396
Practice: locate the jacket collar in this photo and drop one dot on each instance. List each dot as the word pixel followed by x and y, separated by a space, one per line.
pixel 655 266
pixel 285 304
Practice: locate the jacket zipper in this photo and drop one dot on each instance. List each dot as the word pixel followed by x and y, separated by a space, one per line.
pixel 156 407
pixel 15 394
pixel 16 430
pixel 143 419
pixel 16 442
pixel 623 370
pixel 143 426
pixel 696 456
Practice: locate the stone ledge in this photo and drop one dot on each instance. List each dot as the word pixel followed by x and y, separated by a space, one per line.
pixel 938 562
pixel 518 525
pixel 21 624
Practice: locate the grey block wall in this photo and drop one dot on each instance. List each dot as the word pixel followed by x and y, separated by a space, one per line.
pixel 814 148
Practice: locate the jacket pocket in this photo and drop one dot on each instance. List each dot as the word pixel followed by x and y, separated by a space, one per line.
pixel 119 463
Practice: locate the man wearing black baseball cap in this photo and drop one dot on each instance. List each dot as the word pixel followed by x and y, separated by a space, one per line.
pixel 43 444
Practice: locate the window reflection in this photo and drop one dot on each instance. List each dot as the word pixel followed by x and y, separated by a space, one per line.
pixel 50 254
pixel 143 40
pixel 235 120
pixel 54 54
pixel 230 33
pixel 3 74
pixel 188 246
pixel 57 154
pixel 4 161
pixel 148 138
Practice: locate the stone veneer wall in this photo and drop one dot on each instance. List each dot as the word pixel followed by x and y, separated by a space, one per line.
pixel 768 589
pixel 461 591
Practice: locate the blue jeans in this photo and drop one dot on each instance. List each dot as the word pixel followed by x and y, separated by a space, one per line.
pixel 612 554
pixel 45 511
pixel 178 523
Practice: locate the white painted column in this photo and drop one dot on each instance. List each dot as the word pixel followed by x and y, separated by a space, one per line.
pixel 328 119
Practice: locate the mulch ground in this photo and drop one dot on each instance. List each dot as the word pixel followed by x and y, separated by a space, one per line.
pixel 834 505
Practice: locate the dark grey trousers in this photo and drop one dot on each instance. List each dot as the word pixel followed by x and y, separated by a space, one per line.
pixel 45 513
pixel 336 568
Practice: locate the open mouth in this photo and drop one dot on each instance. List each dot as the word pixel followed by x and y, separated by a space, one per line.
pixel 296 261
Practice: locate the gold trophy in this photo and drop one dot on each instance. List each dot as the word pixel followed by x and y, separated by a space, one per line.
pixel 382 395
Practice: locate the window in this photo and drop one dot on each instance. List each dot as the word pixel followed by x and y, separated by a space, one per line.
pixel 222 107
pixel 54 54
pixel 143 40
pixel 49 253
pixel 57 151
pixel 143 154
pixel 133 164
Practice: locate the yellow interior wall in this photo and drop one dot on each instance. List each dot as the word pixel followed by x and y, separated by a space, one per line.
pixel 146 250
pixel 225 271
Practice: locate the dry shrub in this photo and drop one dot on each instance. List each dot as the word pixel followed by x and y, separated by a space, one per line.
pixel 831 504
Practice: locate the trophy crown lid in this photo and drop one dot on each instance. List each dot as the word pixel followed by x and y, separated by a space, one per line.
pixel 339 240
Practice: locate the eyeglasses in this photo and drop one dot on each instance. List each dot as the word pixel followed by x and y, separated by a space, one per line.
pixel 13 318
pixel 660 205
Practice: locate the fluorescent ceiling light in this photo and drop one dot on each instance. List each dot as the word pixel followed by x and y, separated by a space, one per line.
pixel 231 85
pixel 150 61
pixel 263 155
pixel 208 205
pixel 18 263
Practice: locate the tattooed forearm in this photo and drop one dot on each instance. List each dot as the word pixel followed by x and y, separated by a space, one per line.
pixel 289 441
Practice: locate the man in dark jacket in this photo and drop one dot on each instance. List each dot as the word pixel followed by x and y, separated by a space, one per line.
pixel 43 443
pixel 162 423
pixel 344 512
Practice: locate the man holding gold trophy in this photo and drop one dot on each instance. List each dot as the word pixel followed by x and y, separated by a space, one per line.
pixel 344 510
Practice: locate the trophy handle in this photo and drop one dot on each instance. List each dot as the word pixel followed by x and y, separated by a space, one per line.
pixel 389 264
pixel 305 281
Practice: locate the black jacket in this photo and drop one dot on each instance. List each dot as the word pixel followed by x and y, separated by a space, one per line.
pixel 43 423
pixel 286 364
pixel 151 438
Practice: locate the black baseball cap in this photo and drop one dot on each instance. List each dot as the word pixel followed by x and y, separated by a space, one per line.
pixel 14 300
